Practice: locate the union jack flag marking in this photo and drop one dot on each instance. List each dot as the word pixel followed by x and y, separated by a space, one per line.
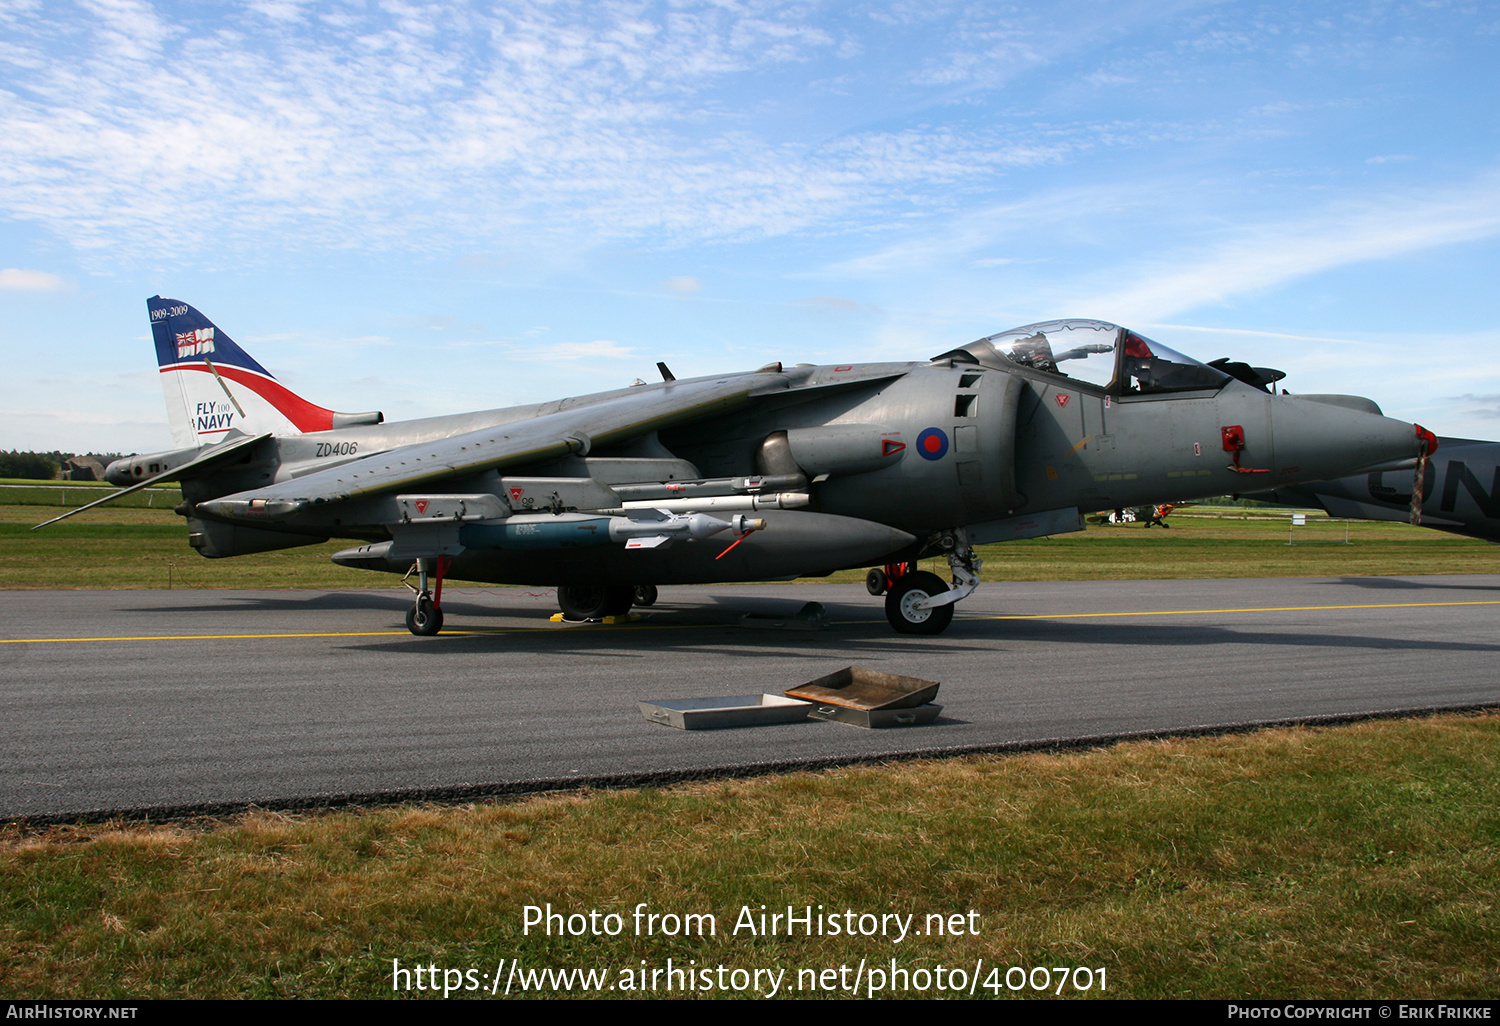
pixel 195 343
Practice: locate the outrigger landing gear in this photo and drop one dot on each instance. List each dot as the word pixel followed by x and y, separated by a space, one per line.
pixel 425 618
pixel 920 603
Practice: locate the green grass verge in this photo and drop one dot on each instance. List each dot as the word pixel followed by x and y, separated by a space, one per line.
pixel 1347 862
pixel 147 548
pixel 67 494
pixel 1209 547
pixel 142 548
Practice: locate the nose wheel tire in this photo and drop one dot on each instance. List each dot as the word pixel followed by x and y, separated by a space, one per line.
pixel 645 594
pixel 901 604
pixel 876 582
pixel 424 619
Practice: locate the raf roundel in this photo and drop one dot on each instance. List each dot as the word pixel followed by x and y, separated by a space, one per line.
pixel 932 444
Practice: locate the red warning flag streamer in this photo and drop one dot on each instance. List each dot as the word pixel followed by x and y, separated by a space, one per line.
pixel 732 545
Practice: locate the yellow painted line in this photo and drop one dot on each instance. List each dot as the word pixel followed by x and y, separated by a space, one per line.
pixel 691 626
pixel 1253 609
pixel 202 637
pixel 356 634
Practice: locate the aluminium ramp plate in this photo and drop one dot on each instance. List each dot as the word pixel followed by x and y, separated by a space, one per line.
pixel 716 713
pixel 854 687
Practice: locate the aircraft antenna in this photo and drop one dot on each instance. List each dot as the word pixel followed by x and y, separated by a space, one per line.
pixel 215 372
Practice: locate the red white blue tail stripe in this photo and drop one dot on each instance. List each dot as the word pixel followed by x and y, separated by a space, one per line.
pixel 213 387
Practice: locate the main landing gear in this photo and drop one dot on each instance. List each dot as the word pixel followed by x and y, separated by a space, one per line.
pixel 577 601
pixel 596 601
pixel 917 602
pixel 425 618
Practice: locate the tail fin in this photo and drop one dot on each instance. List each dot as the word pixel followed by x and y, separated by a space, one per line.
pixel 214 388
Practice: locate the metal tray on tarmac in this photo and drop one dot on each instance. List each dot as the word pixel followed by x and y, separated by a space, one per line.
pixel 869 698
pixel 736 711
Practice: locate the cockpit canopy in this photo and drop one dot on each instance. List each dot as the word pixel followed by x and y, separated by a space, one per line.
pixel 1094 353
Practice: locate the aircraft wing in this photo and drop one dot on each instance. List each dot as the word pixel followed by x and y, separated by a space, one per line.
pixel 571 430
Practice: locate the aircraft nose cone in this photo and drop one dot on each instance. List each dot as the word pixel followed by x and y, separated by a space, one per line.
pixel 1318 440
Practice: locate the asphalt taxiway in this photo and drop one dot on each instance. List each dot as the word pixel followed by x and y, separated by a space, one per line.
pixel 180 700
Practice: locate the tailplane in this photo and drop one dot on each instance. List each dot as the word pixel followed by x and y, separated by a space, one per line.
pixel 215 390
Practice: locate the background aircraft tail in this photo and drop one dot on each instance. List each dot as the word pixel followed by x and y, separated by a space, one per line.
pixel 214 388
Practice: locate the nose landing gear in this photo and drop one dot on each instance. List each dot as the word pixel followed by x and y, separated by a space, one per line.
pixel 425 617
pixel 919 602
pixel 907 604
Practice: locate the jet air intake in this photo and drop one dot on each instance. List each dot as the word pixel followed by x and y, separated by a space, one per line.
pixel 834 450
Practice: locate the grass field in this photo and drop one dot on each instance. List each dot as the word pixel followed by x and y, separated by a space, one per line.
pixel 67 495
pixel 147 548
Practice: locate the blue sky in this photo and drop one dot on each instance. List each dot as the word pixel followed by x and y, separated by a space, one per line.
pixel 427 208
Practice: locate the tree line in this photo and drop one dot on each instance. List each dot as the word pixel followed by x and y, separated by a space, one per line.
pixel 43 466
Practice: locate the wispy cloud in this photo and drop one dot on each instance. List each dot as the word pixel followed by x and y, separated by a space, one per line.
pixel 351 126
pixel 1026 228
pixel 600 349
pixel 126 130
pixel 832 303
pixel 1372 227
pixel 353 123
pixel 1279 336
pixel 1483 406
pixel 29 281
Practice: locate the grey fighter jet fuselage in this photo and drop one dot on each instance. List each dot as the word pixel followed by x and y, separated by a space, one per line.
pixel 775 473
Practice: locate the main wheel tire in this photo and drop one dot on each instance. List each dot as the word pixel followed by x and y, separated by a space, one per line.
pixel 594 601
pixel 424 619
pixel 900 604
pixel 581 601
pixel 620 597
pixel 645 594
pixel 876 582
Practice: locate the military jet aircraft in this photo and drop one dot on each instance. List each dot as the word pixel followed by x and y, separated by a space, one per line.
pixel 775 473
pixel 1460 492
